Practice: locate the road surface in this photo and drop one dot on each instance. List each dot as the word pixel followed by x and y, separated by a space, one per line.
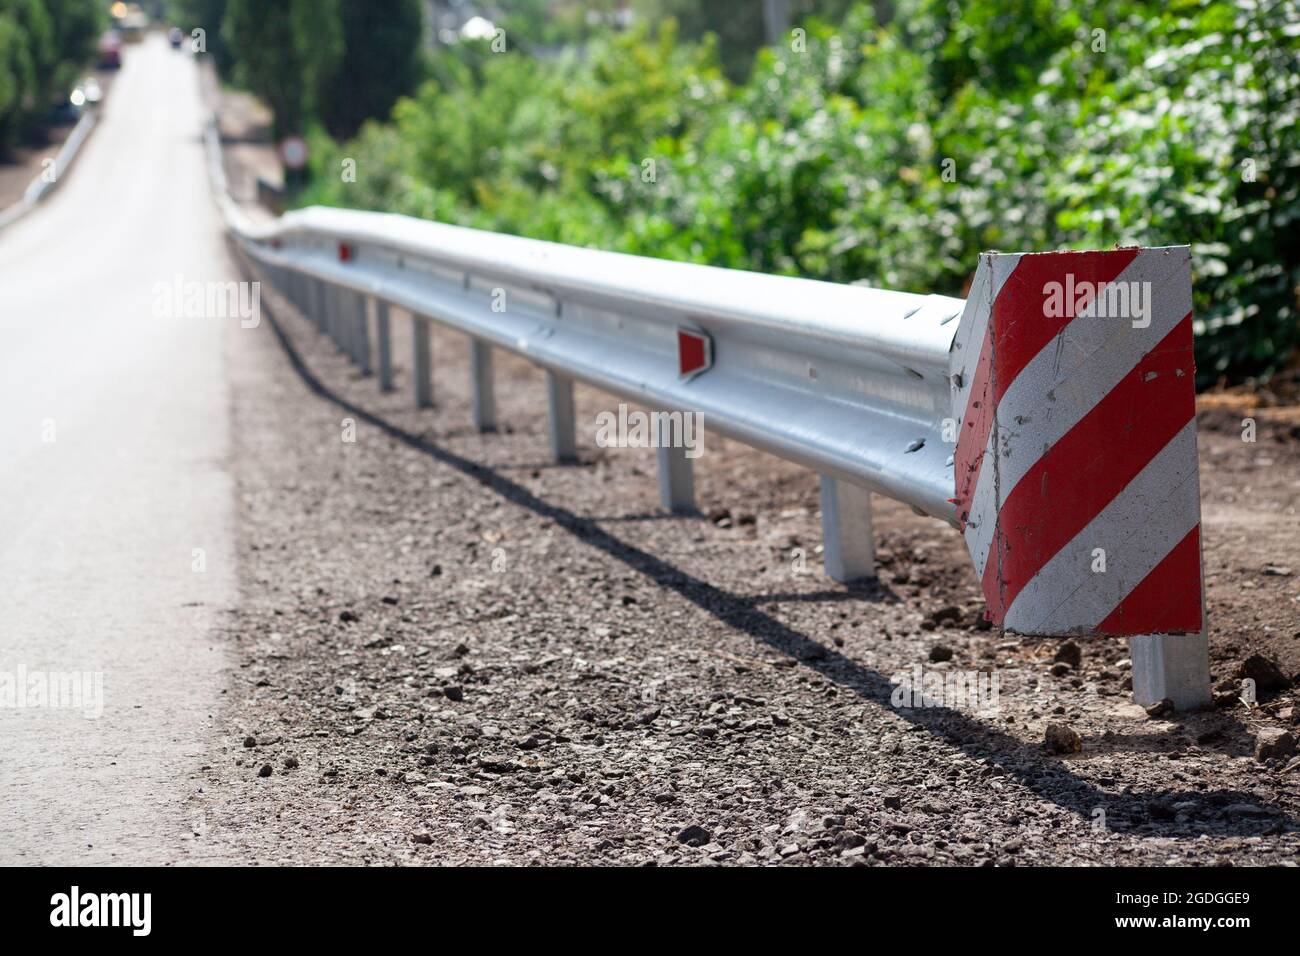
pixel 115 536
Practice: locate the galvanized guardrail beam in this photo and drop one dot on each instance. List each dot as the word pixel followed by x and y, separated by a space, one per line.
pixel 49 179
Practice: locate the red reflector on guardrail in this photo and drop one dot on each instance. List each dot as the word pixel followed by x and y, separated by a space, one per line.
pixel 694 352
pixel 345 252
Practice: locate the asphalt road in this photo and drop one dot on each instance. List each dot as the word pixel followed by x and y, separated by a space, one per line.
pixel 115 483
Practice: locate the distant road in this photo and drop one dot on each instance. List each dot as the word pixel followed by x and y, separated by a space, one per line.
pixel 113 471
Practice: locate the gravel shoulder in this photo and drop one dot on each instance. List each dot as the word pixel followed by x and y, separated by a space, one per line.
pixel 452 652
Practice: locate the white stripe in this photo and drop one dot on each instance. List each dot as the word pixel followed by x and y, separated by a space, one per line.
pixel 992 273
pixel 1069 377
pixel 1137 530
pixel 990 276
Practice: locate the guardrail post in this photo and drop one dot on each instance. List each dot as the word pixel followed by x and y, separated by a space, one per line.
pixel 559 393
pixel 326 298
pixel 348 315
pixel 332 316
pixel 849 551
pixel 423 361
pixel 348 325
pixel 480 370
pixel 310 302
pixel 676 472
pixel 323 308
pixel 316 303
pixel 383 338
pixel 1171 666
pixel 362 326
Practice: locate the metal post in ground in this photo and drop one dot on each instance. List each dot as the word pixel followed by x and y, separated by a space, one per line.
pixel 334 316
pixel 676 471
pixel 1175 667
pixel 361 323
pixel 423 371
pixel 480 370
pixel 347 323
pixel 849 551
pixel 316 303
pixel 559 393
pixel 385 346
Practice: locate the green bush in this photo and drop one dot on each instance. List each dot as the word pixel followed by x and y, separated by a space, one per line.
pixel 380 62
pixel 44 46
pixel 285 53
pixel 888 154
pixel 1184 129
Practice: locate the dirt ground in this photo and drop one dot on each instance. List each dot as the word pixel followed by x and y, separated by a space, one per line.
pixel 452 652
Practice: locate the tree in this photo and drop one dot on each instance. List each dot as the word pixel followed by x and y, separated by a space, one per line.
pixel 77 25
pixel 15 77
pixel 38 45
pixel 44 44
pixel 381 61
pixel 205 15
pixel 283 53
pixel 741 26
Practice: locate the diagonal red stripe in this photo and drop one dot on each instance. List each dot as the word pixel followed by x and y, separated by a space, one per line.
pixel 1078 477
pixel 1163 603
pixel 1018 329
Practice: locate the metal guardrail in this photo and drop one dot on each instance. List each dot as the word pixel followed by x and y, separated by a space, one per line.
pixel 867 387
pixel 42 185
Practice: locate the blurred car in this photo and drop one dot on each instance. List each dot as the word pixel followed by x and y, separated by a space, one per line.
pixel 174 36
pixel 110 51
pixel 133 23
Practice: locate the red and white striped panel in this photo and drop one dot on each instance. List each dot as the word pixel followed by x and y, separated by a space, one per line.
pixel 1077 432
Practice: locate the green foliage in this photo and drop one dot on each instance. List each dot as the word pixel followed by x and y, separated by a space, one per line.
pixel 891 153
pixel 284 54
pixel 380 62
pixel 15 80
pixel 330 64
pixel 39 42
pixel 542 25
pixel 44 45
pixel 497 139
pixel 737 26
pixel 77 26
pixel 1185 128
